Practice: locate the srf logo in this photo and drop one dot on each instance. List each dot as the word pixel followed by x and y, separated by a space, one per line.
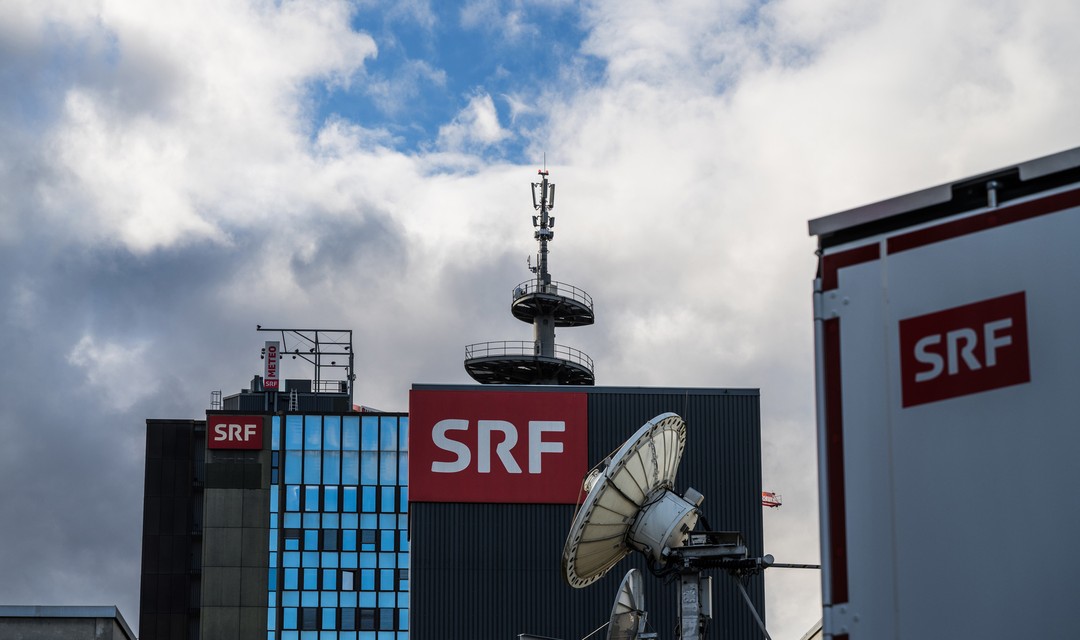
pixel 963 350
pixel 234 432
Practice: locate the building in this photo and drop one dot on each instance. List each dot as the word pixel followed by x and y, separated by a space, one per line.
pixel 488 528
pixel 63 623
pixel 282 515
pixel 287 514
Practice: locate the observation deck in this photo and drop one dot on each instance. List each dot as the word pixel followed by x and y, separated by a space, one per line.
pixel 546 305
pixel 519 362
pixel 566 304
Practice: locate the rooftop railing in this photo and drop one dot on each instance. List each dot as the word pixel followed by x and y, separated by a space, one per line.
pixel 512 348
pixel 555 288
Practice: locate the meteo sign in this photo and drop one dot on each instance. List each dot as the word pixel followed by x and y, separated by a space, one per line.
pixel 234 432
pixel 272 358
pixel 497 446
pixel 963 350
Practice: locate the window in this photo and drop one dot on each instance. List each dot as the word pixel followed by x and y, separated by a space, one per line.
pixel 309 618
pixel 348 619
pixel 367 619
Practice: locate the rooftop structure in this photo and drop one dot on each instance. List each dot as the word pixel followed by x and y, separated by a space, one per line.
pixel 545 304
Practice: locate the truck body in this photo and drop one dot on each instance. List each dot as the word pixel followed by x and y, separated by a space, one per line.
pixel 947 339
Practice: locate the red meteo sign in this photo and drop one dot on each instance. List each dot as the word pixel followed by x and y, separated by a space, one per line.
pixel 497 446
pixel 272 364
pixel 234 432
pixel 963 350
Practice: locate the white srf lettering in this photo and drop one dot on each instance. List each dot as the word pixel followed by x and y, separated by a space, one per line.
pixel 966 351
pixel 993 341
pixel 249 432
pixel 936 362
pixel 438 435
pixel 483 446
pixel 220 432
pixel 537 445
pixel 960 346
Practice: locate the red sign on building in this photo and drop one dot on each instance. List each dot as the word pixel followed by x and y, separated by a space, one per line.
pixel 272 363
pixel 234 432
pixel 963 350
pixel 497 446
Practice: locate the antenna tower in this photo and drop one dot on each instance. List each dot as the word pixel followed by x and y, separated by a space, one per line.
pixel 545 304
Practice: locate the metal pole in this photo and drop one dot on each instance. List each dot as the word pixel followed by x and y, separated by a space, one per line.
pixel 690 605
pixel 753 611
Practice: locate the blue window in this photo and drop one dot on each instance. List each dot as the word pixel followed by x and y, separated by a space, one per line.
pixel 292 497
pixel 293 466
pixel 388 431
pixel 350 467
pixel 330 498
pixel 312 467
pixel 348 499
pixel 388 468
pixel 312 433
pixel 369 468
pixel 367 495
pixel 294 433
pixel 332 433
pixel 331 467
pixel 350 433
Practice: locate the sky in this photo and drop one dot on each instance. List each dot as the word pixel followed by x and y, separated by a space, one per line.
pixel 174 173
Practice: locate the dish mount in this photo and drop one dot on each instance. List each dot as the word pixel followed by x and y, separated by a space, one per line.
pixel 631 505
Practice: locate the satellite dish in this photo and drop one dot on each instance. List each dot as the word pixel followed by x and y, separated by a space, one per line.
pixel 630 504
pixel 628 613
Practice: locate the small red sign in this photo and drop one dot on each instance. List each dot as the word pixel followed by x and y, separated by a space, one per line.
pixel 963 350
pixel 234 432
pixel 272 360
pixel 497 446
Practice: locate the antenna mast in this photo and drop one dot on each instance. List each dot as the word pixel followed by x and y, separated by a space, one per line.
pixel 545 304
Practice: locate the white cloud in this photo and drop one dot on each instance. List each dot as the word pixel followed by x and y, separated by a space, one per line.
pixel 123 374
pixel 222 126
pixel 476 124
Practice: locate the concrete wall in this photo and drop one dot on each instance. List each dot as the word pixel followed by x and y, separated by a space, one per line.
pixel 235 544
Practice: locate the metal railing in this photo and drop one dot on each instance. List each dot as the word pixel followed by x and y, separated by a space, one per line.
pixel 502 348
pixel 554 288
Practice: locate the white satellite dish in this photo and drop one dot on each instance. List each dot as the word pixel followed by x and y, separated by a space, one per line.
pixel 630 504
pixel 628 615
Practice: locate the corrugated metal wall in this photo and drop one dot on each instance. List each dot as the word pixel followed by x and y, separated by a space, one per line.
pixel 492 571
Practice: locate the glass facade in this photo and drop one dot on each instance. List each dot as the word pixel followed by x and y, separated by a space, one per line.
pixel 339 553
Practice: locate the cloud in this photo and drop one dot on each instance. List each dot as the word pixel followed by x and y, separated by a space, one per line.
pixel 475 125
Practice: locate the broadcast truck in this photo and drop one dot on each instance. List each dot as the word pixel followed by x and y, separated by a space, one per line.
pixel 947 340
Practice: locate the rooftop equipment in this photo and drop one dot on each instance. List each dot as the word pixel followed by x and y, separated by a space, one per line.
pixel 546 304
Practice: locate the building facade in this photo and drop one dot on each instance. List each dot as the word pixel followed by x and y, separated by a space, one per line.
pixel 302 523
pixel 284 524
pixel 495 482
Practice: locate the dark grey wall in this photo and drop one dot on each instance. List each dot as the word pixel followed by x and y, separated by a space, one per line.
pixel 493 570
pixel 172 514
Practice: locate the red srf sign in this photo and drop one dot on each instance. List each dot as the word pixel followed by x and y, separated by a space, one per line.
pixel 497 446
pixel 272 364
pixel 234 432
pixel 963 350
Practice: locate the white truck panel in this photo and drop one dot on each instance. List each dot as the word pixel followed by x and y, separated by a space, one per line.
pixel 950 352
